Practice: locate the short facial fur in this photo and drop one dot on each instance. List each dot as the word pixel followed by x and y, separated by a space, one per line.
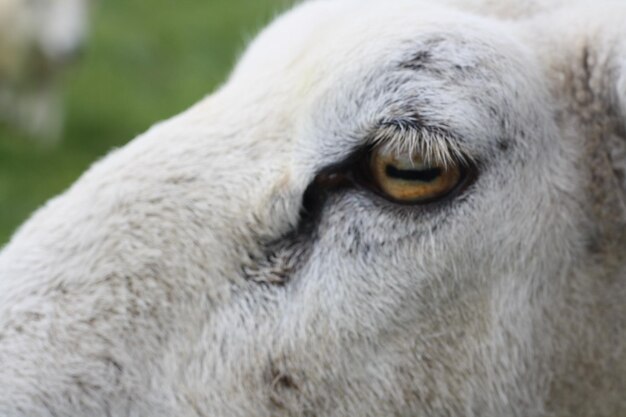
pixel 189 274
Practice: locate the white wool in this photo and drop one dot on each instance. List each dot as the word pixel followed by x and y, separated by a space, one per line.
pixel 202 270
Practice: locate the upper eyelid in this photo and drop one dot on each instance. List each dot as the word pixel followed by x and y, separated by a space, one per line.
pixel 409 135
pixel 415 125
pixel 406 134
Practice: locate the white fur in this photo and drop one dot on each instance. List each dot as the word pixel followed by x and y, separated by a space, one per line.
pixel 180 275
pixel 38 38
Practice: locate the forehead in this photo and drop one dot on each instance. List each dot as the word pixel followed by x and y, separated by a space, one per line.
pixel 329 37
pixel 344 67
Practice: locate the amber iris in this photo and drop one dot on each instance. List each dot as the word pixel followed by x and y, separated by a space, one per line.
pixel 411 179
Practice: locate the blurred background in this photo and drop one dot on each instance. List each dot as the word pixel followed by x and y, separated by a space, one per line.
pixel 143 61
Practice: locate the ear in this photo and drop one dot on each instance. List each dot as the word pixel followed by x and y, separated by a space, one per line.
pixel 621 90
pixel 583 49
pixel 615 76
pixel 618 149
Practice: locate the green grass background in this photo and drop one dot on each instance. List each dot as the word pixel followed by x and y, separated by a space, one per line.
pixel 145 60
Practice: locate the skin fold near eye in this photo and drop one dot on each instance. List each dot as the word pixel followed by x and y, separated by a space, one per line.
pixel 410 179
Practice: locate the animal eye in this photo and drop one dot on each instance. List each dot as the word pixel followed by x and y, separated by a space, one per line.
pixel 410 179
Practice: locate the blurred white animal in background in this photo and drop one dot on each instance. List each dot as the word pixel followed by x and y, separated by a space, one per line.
pixel 38 39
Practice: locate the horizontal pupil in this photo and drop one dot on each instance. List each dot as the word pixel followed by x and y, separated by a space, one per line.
pixel 426 175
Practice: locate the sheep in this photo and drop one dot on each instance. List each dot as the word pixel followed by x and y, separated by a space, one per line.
pixel 390 208
pixel 38 39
